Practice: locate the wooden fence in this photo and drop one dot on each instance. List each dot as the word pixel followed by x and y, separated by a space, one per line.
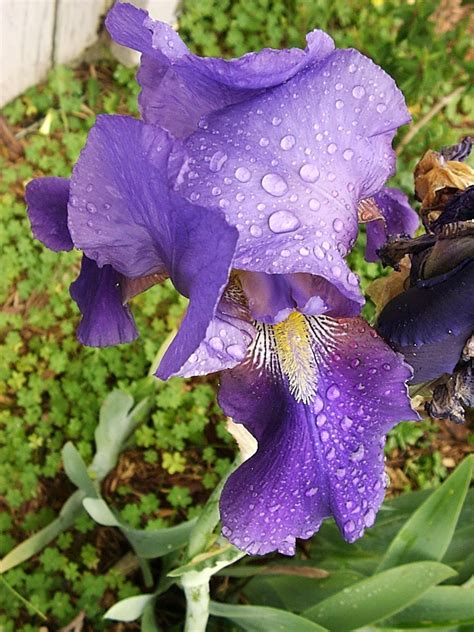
pixel 38 34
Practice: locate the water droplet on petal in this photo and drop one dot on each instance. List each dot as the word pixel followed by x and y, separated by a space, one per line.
pixel 348 154
pixel 89 188
pixel 317 404
pixel 243 174
pixel 340 473
pixel 321 420
pixel 255 230
pixel 381 107
pixel 339 104
pixel 312 491
pixel 287 142
pixel 358 454
pixel 369 517
pixel 332 148
pixel 304 252
pixel 194 196
pixel 226 532
pixel 349 526
pixel 263 142
pixel 333 392
pixel 91 207
pixel 338 225
pixel 309 173
pixel 216 191
pixel 216 343
pixel 236 351
pixel 324 436
pixel 352 68
pixel 314 205
pixel 358 92
pixel 276 120
pixel 346 422
pixel 274 184
pixel 339 86
pixel 352 279
pixel 217 161
pixel 283 222
pixel 319 252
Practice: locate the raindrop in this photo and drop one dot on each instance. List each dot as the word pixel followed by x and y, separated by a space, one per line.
pixel 358 454
pixel 217 161
pixel 324 436
pixel 355 363
pixel 336 270
pixel 369 517
pixel 255 230
pixel 240 197
pixel 216 343
pixel 236 351
pixel 349 526
pixel 311 491
pixel 287 142
pixel 283 222
pixel 274 508
pixel 319 252
pixel 309 173
pixel 338 225
pixel 348 154
pixel 194 197
pixel 314 205
pixel 276 120
pixel 321 420
pixel 381 107
pixel 74 200
pixel 346 422
pixel 352 68
pixel 226 532
pixel 340 473
pixel 352 279
pixel 339 104
pixel 318 404
pixel 243 174
pixel 216 191
pixel 285 253
pixel 339 86
pixel 332 148
pixel 91 207
pixel 387 366
pixel 274 184
pixel 89 188
pixel 304 251
pixel 358 92
pixel 333 392
pixel 263 142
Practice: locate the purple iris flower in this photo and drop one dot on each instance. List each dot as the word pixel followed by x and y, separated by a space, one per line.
pixel 250 210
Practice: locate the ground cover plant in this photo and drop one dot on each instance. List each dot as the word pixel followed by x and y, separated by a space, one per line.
pixel 53 387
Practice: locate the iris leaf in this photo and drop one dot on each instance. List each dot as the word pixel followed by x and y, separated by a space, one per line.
pixel 378 597
pixel 262 619
pixel 428 533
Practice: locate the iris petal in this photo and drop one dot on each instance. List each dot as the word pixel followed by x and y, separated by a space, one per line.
pixel 320 456
pixel 47 200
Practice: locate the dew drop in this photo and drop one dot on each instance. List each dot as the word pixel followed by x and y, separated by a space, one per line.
pixel 358 92
pixel 349 526
pixel 74 200
pixel 381 107
pixel 352 68
pixel 339 86
pixel 358 454
pixel 369 517
pixel 236 351
pixel 319 253
pixel 312 491
pixel 194 196
pixel 276 120
pixel 216 191
pixel 309 173
pixel 324 436
pixel 336 270
pixel 317 404
pixel 332 148
pixel 287 142
pixel 283 222
pixel 226 532
pixel 352 279
pixel 304 252
pixel 321 420
pixel 338 225
pixel 216 343
pixel 91 207
pixel 243 174
pixel 240 197
pixel 339 104
pixel 314 205
pixel 255 230
pixel 333 392
pixel 340 473
pixel 89 188
pixel 274 184
pixel 348 154
pixel 347 422
pixel 217 161
pixel 263 142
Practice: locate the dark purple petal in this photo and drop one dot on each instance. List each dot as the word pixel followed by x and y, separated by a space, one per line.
pixel 317 457
pixel 105 320
pixel 122 214
pixel 398 218
pixel 179 87
pixel 431 321
pixel 289 166
pixel 47 200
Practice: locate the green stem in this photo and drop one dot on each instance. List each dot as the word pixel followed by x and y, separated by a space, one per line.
pixel 196 589
pixel 29 605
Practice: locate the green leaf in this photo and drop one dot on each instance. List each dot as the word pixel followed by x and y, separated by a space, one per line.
pixel 76 470
pixel 148 622
pixel 146 544
pixel 129 609
pixel 116 422
pixel 71 509
pixel 261 619
pixel 378 597
pixel 428 533
pixel 441 606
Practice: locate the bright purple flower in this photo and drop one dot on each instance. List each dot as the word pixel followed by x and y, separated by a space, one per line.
pixel 304 136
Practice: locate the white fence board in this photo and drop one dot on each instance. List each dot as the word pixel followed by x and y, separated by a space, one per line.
pixel 36 34
pixel 26 44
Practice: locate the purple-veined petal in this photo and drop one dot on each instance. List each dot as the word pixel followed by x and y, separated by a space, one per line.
pixel 397 218
pixel 121 213
pixel 317 456
pixel 179 87
pixel 430 322
pixel 289 166
pixel 47 200
pixel 105 320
